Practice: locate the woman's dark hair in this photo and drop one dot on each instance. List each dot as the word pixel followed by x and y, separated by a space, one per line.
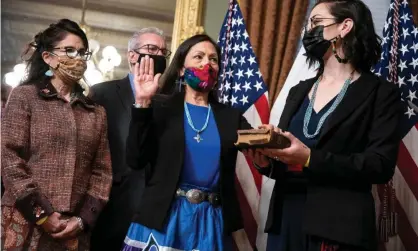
pixel 170 78
pixel 361 46
pixel 45 41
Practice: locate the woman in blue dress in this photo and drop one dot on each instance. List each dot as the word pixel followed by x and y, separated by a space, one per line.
pixel 186 143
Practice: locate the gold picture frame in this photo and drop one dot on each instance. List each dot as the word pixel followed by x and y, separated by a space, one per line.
pixel 187 22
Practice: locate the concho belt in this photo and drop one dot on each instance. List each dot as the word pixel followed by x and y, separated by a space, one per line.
pixel 196 196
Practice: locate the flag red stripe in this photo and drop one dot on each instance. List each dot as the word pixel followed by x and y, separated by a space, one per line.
pixel 235 247
pixel 250 225
pixel 258 178
pixel 262 106
pixel 406 232
pixel 408 169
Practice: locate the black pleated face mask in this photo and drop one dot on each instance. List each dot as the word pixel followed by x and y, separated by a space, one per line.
pixel 314 42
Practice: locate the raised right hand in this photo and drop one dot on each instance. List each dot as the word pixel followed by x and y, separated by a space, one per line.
pixel 54 223
pixel 146 84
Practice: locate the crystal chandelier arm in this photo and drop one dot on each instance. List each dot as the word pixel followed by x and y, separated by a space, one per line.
pixel 83 11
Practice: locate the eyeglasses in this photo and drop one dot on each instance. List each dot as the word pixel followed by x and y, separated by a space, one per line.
pixel 314 21
pixel 153 50
pixel 73 52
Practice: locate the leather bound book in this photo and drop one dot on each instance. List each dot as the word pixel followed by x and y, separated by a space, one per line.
pixel 261 138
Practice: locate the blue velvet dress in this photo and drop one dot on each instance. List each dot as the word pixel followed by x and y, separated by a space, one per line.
pixel 190 226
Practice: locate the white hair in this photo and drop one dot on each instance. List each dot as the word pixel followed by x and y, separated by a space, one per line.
pixel 133 41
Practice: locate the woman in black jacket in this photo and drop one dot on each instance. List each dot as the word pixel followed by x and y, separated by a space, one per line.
pixel 187 140
pixel 344 131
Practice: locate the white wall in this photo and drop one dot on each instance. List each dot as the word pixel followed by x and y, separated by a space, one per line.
pixel 379 9
pixel 213 16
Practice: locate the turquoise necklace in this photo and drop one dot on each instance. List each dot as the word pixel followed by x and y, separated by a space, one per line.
pixel 198 138
pixel 309 110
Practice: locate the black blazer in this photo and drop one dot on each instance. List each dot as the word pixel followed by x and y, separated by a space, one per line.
pixel 357 147
pixel 117 98
pixel 156 136
pixel 114 221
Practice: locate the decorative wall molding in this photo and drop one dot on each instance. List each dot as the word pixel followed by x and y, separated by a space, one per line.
pixel 162 10
pixel 48 11
pixel 187 21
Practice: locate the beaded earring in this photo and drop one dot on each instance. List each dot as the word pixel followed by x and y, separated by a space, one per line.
pixel 49 73
pixel 334 50
pixel 180 84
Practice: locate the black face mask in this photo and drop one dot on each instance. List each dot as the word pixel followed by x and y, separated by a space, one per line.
pixel 159 62
pixel 314 42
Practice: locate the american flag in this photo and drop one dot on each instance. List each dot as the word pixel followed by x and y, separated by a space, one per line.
pixel 399 64
pixel 242 87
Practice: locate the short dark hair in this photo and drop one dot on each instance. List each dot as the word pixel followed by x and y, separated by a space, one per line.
pixel 169 80
pixel 361 46
pixel 44 41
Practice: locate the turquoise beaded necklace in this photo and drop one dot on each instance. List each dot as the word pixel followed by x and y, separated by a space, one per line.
pixel 309 110
pixel 198 138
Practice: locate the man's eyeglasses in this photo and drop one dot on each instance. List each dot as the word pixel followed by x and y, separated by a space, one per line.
pixel 73 53
pixel 153 50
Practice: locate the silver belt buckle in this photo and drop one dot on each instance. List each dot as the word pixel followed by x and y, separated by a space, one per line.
pixel 195 196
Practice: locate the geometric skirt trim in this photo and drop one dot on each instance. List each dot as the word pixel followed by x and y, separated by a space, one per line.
pixel 190 227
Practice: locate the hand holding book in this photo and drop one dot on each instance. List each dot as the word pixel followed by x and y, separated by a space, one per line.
pixel 261 138
pixel 272 142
